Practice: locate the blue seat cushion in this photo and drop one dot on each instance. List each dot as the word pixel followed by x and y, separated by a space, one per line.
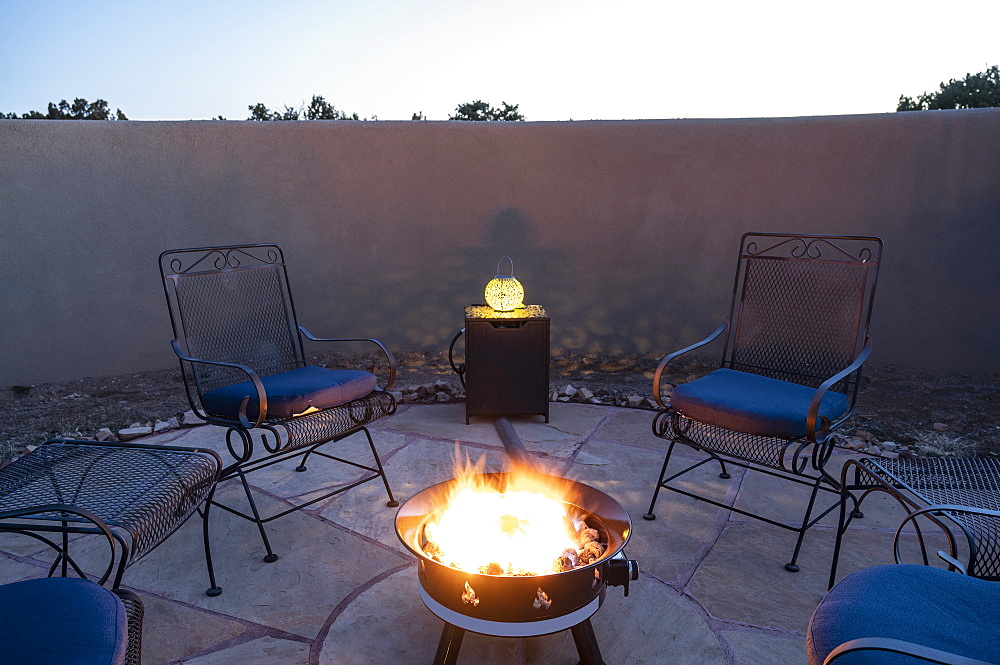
pixel 61 621
pixel 754 404
pixel 290 393
pixel 927 606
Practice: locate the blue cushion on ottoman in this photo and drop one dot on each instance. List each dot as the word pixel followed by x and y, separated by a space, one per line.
pixel 928 606
pixel 61 621
pixel 754 404
pixel 290 393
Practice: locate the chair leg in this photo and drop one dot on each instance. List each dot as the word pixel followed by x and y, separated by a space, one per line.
pixel 122 559
pixel 722 463
pixel 302 464
pixel 270 557
pixel 213 588
pixel 650 515
pixel 841 528
pixel 392 503
pixel 791 566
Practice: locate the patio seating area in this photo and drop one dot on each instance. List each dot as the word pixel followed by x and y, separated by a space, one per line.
pixel 344 589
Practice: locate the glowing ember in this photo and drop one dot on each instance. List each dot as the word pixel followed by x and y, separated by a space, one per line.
pixel 518 531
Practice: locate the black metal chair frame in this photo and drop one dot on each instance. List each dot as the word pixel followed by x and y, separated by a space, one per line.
pixel 790 356
pixel 66 488
pixel 959 496
pixel 263 267
pixel 918 652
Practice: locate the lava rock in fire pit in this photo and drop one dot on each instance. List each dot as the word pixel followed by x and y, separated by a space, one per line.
pixel 591 552
pixel 494 568
pixel 432 550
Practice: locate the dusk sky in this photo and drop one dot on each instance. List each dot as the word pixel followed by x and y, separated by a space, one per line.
pixel 557 59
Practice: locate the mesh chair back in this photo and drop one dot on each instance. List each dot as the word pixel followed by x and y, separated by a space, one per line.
pixel 232 304
pixel 801 306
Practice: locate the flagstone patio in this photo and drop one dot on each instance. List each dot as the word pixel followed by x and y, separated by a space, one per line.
pixel 712 587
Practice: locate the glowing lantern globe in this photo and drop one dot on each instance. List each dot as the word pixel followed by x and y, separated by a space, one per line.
pixel 504 293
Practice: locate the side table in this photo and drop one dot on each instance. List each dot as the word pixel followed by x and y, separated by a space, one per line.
pixel 506 370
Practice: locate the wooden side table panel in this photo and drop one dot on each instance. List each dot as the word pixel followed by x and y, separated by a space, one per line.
pixel 507 367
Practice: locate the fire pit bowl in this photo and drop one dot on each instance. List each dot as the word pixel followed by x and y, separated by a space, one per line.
pixel 459 596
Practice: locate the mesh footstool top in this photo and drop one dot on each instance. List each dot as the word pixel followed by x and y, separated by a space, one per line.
pixel 973 482
pixel 147 492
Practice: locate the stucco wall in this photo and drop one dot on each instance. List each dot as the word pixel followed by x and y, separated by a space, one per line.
pixel 625 231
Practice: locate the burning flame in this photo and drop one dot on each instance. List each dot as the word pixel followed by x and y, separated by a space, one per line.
pixel 519 529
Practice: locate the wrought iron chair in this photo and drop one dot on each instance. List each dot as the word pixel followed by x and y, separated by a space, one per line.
pixel 132 495
pixel 959 496
pixel 915 613
pixel 243 362
pixel 796 339
pixel 898 614
pixel 55 620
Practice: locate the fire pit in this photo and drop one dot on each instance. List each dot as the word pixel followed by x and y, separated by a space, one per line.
pixel 508 588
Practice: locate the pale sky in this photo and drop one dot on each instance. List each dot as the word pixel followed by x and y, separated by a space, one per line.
pixel 557 59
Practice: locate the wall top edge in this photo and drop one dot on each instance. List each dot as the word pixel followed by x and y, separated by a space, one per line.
pixel 910 116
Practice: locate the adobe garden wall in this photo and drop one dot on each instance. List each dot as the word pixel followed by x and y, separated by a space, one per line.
pixel 626 231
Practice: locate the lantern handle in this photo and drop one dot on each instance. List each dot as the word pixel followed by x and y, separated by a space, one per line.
pixel 511 265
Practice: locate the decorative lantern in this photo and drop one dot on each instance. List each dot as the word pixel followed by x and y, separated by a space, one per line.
pixel 504 293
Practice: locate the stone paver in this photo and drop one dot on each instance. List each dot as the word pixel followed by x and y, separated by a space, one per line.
pixel 269 650
pixel 400 630
pixel 655 624
pixel 760 648
pixel 668 546
pixel 630 425
pixel 712 588
pixel 164 619
pixel 12 570
pixel 445 421
pixel 319 566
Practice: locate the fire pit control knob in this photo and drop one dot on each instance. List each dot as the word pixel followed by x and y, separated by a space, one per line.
pixel 621 571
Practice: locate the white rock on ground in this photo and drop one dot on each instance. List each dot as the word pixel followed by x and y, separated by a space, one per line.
pixel 189 419
pixel 130 433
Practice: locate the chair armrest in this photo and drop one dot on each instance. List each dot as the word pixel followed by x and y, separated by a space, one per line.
pixel 391 359
pixel 81 514
pixel 813 415
pixel 946 508
pixel 917 651
pixel 669 358
pixel 254 378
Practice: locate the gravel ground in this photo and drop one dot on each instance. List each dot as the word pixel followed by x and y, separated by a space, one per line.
pixel 931 413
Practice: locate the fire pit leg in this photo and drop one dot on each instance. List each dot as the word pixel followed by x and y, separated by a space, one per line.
pixel 586 643
pixel 450 643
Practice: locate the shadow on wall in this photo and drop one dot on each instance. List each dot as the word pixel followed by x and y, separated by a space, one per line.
pixel 593 308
